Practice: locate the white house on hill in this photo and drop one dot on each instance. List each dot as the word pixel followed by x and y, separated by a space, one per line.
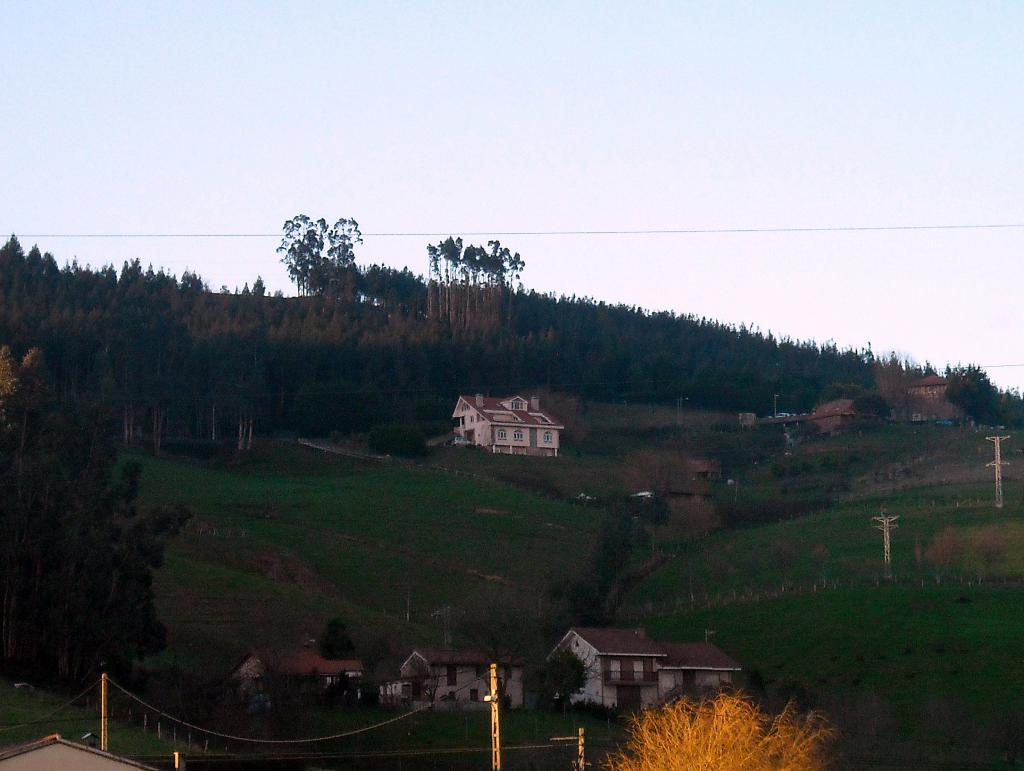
pixel 625 669
pixel 513 425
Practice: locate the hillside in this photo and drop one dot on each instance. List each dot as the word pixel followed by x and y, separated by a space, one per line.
pixel 785 566
pixel 288 537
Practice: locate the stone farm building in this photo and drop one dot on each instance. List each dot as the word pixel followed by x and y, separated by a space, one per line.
pixel 513 425
pixel 626 669
pixel 928 400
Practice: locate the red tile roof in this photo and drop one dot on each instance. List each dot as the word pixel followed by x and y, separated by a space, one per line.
pixel 930 380
pixel 525 417
pixel 307 661
pixel 631 642
pixel 697 655
pixel 837 407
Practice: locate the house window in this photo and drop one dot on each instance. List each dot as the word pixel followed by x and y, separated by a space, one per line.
pixel 517 435
pixel 547 437
pixel 501 433
pixel 518 405
pixel 452 674
pixel 474 694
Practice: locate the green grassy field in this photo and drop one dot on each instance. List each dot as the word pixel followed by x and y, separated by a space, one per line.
pixel 283 538
pixel 902 673
pixel 288 537
pixel 27 714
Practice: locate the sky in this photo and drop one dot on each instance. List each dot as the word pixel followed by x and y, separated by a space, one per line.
pixel 496 118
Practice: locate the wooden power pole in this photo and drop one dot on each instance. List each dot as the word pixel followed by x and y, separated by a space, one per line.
pixel 998 464
pixel 104 735
pixel 493 698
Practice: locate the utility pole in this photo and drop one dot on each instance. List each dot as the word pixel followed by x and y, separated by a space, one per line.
pixel 493 698
pixel 775 405
pixel 445 614
pixel 104 736
pixel 679 409
pixel 580 763
pixel 998 464
pixel 886 523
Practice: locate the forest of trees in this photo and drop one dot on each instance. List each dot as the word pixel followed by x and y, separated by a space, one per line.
pixel 364 346
pixel 76 557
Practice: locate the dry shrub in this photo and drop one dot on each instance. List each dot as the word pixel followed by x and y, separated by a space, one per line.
pixel 728 733
pixel 946 549
pixel 690 518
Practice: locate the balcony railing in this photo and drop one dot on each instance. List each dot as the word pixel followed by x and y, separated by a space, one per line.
pixel 629 676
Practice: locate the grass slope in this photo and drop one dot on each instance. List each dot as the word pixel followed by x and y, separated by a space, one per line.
pixel 287 538
pixel 905 674
pixel 44 714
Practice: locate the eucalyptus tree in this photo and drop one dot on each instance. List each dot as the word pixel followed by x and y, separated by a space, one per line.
pixel 320 258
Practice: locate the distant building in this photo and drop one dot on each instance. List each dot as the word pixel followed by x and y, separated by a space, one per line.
pixel 55 752
pixel 835 415
pixel 625 669
pixel 709 469
pixel 927 400
pixel 304 668
pixel 453 678
pixel 512 425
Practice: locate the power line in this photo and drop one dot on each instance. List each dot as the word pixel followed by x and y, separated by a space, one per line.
pixel 50 714
pixel 617 232
pixel 253 740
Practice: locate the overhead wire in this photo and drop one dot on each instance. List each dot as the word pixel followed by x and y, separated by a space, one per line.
pixel 581 232
pixel 254 740
pixel 49 715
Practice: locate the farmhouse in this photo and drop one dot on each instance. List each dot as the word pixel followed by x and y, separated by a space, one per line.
pixel 928 400
pixel 513 425
pixel 625 669
pixel 303 668
pixel 453 678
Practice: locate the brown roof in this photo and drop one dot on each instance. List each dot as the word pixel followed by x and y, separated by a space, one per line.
pixel 466 658
pixel 632 642
pixel 697 655
pixel 703 465
pixel 834 408
pixel 525 417
pixel 302 661
pixel 930 380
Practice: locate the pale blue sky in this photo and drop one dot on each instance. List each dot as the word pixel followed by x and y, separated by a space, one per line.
pixel 456 117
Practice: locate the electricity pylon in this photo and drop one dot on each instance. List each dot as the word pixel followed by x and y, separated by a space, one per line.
pixel 998 464
pixel 886 522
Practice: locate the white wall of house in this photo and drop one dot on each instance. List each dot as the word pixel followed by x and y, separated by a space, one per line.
pixel 464 685
pixel 593 687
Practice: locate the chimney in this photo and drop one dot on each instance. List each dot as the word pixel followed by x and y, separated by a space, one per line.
pixel 479 400
pixel 535 403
